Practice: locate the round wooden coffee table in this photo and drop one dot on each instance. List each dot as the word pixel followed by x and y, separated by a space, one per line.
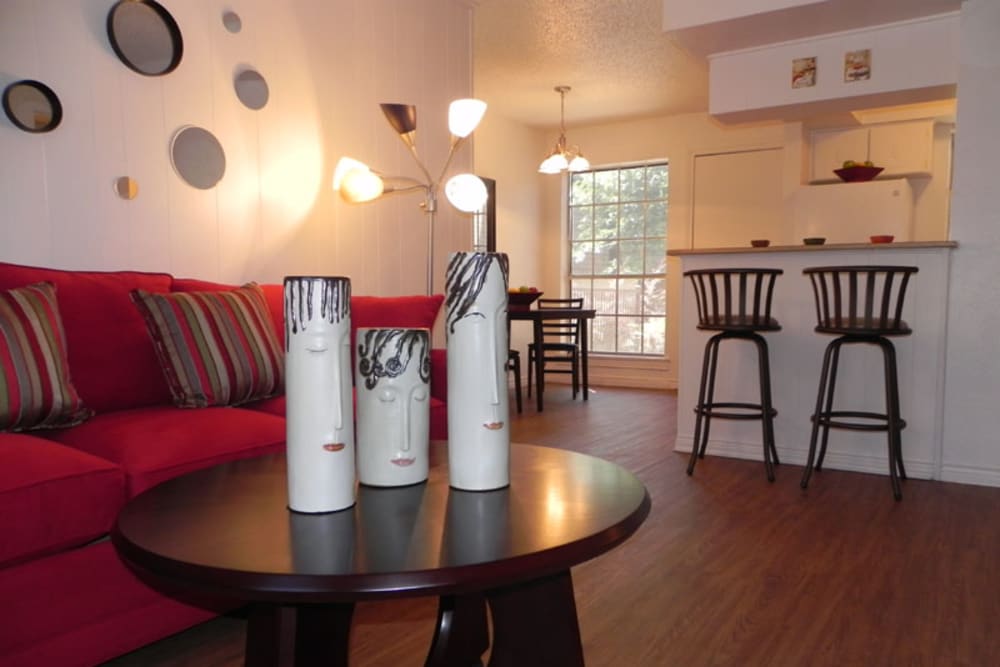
pixel 226 531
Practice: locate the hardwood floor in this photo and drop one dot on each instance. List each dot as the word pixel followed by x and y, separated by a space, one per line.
pixel 728 569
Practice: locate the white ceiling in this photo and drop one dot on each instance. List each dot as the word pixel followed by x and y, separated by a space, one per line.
pixel 620 63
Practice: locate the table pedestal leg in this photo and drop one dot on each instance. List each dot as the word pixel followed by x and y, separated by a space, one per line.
pixel 462 634
pixel 535 624
pixel 320 634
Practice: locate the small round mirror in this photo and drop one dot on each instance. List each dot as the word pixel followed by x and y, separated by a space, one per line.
pixel 32 106
pixel 126 187
pixel 232 21
pixel 198 157
pixel 251 88
pixel 145 36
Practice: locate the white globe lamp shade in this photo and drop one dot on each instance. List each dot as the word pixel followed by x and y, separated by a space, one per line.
pixel 464 116
pixel 579 163
pixel 466 192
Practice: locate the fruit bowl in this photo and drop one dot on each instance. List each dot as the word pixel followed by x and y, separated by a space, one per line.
pixel 858 173
pixel 521 300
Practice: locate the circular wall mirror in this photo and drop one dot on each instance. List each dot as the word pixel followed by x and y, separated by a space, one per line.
pixel 32 106
pixel 145 36
pixel 251 88
pixel 126 187
pixel 198 157
pixel 232 21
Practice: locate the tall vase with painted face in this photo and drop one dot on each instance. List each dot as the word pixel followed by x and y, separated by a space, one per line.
pixel 319 412
pixel 392 382
pixel 478 411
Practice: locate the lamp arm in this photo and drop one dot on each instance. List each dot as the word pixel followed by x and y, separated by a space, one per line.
pixel 455 144
pixel 416 158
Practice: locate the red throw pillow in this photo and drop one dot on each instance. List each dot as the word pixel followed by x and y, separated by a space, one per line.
pixel 35 387
pixel 215 348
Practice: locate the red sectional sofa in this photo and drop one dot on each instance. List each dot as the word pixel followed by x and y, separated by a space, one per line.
pixel 66 597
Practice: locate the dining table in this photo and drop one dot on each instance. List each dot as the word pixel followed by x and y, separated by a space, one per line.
pixel 539 315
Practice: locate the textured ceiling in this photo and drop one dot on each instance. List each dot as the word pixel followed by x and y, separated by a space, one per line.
pixel 620 63
pixel 613 53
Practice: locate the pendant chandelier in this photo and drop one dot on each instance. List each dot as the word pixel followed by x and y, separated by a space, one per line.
pixel 563 157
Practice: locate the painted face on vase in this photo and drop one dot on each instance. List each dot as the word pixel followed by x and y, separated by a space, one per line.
pixel 393 390
pixel 319 417
pixel 477 336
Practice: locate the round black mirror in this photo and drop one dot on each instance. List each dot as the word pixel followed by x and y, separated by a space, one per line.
pixel 145 37
pixel 252 89
pixel 198 157
pixel 32 106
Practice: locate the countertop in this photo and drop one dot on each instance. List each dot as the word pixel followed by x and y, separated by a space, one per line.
pixel 902 245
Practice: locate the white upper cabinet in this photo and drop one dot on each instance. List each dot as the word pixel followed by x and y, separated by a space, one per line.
pixel 901 149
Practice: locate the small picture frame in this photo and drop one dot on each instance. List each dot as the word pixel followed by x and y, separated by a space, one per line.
pixel 804 72
pixel 858 65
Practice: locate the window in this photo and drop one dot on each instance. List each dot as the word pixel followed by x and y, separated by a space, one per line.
pixel 618 249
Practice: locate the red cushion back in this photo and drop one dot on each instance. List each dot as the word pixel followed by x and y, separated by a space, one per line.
pixel 112 361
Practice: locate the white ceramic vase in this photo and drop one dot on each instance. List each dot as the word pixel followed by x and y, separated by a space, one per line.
pixel 319 413
pixel 392 383
pixel 478 411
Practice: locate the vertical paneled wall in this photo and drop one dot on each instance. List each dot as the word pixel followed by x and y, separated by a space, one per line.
pixel 327 64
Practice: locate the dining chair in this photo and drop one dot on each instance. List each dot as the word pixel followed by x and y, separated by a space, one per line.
pixel 560 348
pixel 514 366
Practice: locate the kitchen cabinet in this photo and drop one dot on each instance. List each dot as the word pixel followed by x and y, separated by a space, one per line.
pixel 902 149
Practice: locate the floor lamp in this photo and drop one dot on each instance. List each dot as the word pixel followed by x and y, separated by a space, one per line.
pixel 357 183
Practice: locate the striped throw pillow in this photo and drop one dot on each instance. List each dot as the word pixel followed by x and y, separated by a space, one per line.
pixel 215 348
pixel 35 387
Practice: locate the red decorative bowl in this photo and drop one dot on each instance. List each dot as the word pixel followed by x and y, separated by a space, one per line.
pixel 882 238
pixel 858 173
pixel 518 300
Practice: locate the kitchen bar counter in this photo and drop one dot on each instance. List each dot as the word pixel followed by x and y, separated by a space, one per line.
pixel 903 245
pixel 797 353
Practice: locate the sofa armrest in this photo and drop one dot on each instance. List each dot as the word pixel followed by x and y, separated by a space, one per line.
pixel 439 373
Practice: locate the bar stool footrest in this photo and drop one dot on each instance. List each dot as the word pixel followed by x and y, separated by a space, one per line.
pixel 753 410
pixel 835 419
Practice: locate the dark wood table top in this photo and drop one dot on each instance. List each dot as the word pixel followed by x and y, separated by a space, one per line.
pixel 551 313
pixel 227 531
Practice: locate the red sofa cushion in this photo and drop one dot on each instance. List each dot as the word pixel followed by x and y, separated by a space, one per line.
pixel 56 497
pixel 394 311
pixel 157 443
pixel 35 386
pixel 215 348
pixel 111 360
pixel 82 607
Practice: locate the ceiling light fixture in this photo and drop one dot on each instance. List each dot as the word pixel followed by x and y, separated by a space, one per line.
pixel 563 157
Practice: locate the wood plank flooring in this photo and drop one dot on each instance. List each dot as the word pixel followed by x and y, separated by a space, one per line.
pixel 728 569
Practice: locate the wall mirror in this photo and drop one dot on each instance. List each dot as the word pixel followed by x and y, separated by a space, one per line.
pixel 232 22
pixel 198 157
pixel 251 88
pixel 32 106
pixel 145 36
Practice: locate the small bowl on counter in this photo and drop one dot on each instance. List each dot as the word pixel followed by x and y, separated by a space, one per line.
pixel 760 243
pixel 858 173
pixel 814 240
pixel 881 238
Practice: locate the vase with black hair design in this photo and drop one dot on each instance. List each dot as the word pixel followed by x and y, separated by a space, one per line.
pixel 392 383
pixel 319 414
pixel 478 410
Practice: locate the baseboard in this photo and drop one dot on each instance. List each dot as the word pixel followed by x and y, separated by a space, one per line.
pixel 970 475
pixel 797 456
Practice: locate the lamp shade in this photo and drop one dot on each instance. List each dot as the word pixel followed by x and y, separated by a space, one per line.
pixel 361 184
pixel 579 163
pixel 402 117
pixel 466 192
pixel 553 164
pixel 344 165
pixel 464 116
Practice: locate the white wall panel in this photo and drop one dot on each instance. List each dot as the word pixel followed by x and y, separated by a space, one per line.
pixel 327 65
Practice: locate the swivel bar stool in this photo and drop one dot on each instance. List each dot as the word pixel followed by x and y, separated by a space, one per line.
pixel 737 304
pixel 859 304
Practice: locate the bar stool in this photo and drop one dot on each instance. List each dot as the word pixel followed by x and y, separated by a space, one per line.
pixel 859 304
pixel 737 304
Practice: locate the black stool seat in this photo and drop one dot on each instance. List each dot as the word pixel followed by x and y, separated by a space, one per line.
pixel 737 304
pixel 859 305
